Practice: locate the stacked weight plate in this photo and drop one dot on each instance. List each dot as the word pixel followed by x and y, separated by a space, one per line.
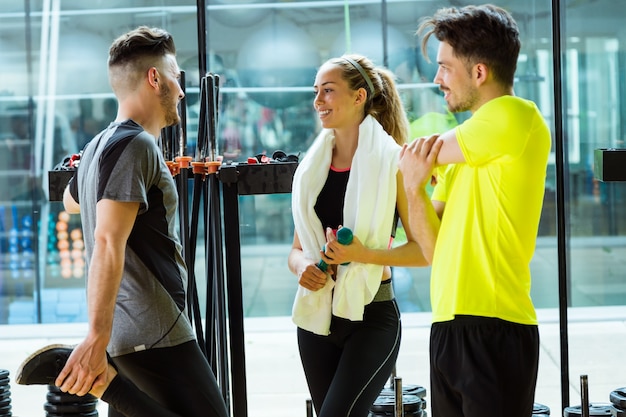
pixel 384 406
pixel 61 404
pixel 540 410
pixel 408 389
pixel 413 402
pixel 5 394
pixel 595 410
pixel 618 402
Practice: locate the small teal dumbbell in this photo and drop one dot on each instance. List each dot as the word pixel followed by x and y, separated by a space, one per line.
pixel 344 236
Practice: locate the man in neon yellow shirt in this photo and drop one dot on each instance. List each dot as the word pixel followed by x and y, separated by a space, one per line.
pixel 480 227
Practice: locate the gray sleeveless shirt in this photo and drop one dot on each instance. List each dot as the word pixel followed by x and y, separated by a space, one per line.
pixel 123 163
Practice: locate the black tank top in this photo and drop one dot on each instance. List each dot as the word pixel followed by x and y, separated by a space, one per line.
pixel 329 204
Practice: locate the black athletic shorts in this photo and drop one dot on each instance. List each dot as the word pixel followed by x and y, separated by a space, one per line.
pixel 483 367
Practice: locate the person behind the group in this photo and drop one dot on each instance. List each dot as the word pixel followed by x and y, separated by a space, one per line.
pixel 348 320
pixel 479 228
pixel 137 278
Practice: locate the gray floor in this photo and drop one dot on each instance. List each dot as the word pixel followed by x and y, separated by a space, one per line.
pixel 276 386
pixel 275 381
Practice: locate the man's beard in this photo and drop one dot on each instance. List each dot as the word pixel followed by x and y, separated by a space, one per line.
pixel 467 102
pixel 171 111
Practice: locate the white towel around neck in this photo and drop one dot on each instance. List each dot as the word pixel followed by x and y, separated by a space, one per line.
pixel 369 207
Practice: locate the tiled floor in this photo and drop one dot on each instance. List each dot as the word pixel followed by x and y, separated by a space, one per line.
pixel 275 381
pixel 276 386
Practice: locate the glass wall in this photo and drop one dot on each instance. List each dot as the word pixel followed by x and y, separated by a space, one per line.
pixel 54 96
pixel 594 84
pixel 269 52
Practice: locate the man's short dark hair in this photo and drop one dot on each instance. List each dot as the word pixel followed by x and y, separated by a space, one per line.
pixel 484 33
pixel 140 43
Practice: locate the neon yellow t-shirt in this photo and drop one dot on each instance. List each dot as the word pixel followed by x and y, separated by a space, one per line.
pixel 492 208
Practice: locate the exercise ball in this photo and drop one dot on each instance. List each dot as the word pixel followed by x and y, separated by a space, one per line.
pixel 278 55
pixel 14 80
pixel 82 62
pixel 238 15
pixel 427 70
pixel 366 38
pixel 407 13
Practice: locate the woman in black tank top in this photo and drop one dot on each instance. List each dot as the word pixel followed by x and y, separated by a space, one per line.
pixel 347 364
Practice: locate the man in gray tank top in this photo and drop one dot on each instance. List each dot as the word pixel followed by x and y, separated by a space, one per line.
pixel 140 354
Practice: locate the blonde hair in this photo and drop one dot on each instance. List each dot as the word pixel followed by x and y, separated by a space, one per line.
pixel 384 102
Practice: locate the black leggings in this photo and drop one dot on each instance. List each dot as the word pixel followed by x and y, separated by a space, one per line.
pixel 483 367
pixel 347 369
pixel 165 382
